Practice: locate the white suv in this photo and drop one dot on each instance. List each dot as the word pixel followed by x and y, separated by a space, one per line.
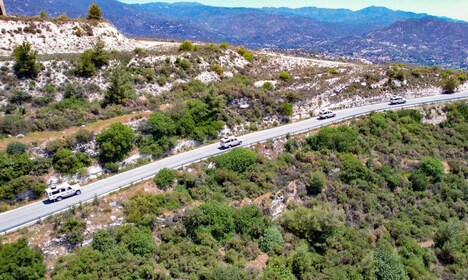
pixel 231 141
pixel 397 100
pixel 63 190
pixel 326 113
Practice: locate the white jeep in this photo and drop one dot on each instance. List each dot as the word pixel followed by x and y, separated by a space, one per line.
pixel 326 113
pixel 397 100
pixel 228 142
pixel 61 191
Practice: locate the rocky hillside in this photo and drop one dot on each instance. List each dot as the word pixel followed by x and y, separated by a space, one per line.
pixel 49 36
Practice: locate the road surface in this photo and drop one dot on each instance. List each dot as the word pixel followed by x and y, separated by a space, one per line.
pixel 30 214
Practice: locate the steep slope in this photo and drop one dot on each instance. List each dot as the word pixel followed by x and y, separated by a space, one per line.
pixel 67 36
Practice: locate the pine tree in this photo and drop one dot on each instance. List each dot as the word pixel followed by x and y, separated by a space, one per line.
pixel 26 65
pixel 94 12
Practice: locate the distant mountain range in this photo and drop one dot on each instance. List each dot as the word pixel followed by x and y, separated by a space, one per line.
pixel 374 33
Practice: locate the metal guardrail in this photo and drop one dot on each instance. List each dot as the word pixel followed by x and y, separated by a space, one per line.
pixel 334 120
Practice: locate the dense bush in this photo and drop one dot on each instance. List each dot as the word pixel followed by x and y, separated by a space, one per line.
pixel 250 220
pixel 115 142
pixel 270 238
pixel 341 139
pixel 164 178
pixel 122 253
pixel 314 225
pixel 20 262
pixel 284 76
pixel 67 162
pixel 210 220
pixel 94 12
pixel 16 148
pixel 432 168
pixel 388 265
pixel 142 209
pixel 85 66
pixel 14 176
pixel 237 160
pixel 316 182
pixel 25 65
pixel 73 229
pixel 121 87
pixel 186 46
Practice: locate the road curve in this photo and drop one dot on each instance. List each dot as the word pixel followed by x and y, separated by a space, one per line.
pixel 32 213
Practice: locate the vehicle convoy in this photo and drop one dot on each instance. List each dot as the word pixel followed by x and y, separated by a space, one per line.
pixel 231 141
pixel 326 113
pixel 62 191
pixel 397 100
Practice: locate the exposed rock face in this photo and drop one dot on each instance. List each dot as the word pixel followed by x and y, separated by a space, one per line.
pixel 54 36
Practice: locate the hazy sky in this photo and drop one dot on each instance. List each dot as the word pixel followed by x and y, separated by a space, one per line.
pixel 451 8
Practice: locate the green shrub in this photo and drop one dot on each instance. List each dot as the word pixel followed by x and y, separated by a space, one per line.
pixel 100 57
pixel 115 142
pixel 164 178
pixel 270 238
pixel 287 109
pixel 450 84
pixel 218 69
pixel 67 162
pixel 229 272
pixel 352 169
pixel 73 230
pixel 284 76
pixel 250 220
pixel 212 218
pixel 25 65
pixel 433 168
pixel 19 261
pixel 388 265
pixel 186 46
pixel 138 241
pixel 94 12
pixel 224 45
pixel 340 139
pixel 451 245
pixel 16 148
pixel 142 208
pixel 238 160
pixel 246 54
pixel 162 80
pixel 314 225
pixel 21 185
pixel 185 64
pixel 121 87
pixel 85 66
pixel 316 182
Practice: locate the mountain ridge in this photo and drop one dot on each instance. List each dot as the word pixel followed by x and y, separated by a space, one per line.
pixel 308 28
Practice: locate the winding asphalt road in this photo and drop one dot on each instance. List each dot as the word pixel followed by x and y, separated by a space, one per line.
pixel 32 213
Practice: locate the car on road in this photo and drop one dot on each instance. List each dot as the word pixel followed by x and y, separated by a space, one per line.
pixel 326 113
pixel 231 141
pixel 397 100
pixel 59 192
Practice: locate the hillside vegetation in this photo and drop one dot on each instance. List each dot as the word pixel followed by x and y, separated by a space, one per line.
pixel 381 197
pixel 191 93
